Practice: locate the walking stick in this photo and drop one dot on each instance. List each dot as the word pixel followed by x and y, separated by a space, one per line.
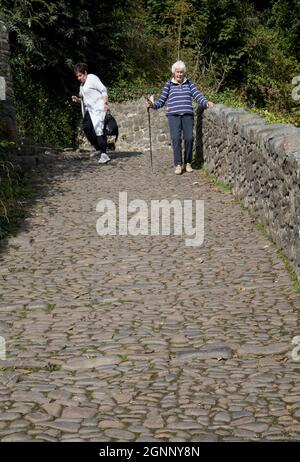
pixel 148 110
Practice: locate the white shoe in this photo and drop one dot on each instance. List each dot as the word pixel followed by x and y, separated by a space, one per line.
pixel 104 158
pixel 188 168
pixel 178 170
pixel 95 153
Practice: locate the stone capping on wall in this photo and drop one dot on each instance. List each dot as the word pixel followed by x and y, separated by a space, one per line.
pixel 261 162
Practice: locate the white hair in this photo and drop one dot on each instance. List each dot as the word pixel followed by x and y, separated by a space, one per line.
pixel 179 65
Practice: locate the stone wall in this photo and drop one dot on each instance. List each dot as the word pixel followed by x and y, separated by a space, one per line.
pixel 132 118
pixel 261 162
pixel 8 130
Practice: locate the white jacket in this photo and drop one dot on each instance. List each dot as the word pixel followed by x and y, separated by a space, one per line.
pixel 92 94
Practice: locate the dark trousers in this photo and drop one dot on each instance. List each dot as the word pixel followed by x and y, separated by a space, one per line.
pixel 182 124
pixel 99 142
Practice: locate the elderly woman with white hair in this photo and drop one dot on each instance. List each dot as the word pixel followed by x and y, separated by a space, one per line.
pixel 179 92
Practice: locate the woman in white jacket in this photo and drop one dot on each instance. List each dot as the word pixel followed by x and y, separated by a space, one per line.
pixel 94 104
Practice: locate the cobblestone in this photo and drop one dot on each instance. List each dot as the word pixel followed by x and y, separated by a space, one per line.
pixel 141 338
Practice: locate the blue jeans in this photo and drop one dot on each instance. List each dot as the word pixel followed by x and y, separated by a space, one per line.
pixel 182 124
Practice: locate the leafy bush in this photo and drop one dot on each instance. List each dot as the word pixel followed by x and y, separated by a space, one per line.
pixel 42 117
pixel 250 48
pixel 234 98
pixel 269 71
pixel 124 90
pixel 7 187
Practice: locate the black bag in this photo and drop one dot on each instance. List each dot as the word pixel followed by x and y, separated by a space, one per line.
pixel 110 126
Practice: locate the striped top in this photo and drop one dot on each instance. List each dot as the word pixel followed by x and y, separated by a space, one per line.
pixel 179 97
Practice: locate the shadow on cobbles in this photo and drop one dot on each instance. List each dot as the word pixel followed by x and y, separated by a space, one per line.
pixel 37 186
pixel 124 154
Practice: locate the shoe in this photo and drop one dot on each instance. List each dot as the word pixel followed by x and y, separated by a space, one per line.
pixel 178 170
pixel 188 168
pixel 104 158
pixel 95 153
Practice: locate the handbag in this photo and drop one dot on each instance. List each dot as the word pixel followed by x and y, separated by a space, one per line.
pixel 110 125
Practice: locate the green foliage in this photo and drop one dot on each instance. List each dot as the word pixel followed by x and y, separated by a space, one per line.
pixel 46 39
pixel 210 35
pixel 245 46
pixel 250 48
pixel 7 187
pixel 285 18
pixel 124 90
pixel 275 117
pixel 227 96
pixel 269 71
pixel 234 98
pixel 42 117
pixel 222 41
pixel 6 145
pixel 144 57
pixel 13 191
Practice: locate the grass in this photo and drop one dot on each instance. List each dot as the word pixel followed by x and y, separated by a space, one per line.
pixel 216 182
pixel 50 307
pixel 290 269
pixel 13 195
pixel 49 367
pixel 232 98
pixel 53 367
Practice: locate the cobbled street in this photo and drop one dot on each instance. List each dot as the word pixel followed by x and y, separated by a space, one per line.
pixel 142 338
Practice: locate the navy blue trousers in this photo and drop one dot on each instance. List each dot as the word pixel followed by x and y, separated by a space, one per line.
pixel 182 125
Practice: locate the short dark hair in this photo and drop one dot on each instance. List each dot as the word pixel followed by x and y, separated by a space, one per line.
pixel 80 67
